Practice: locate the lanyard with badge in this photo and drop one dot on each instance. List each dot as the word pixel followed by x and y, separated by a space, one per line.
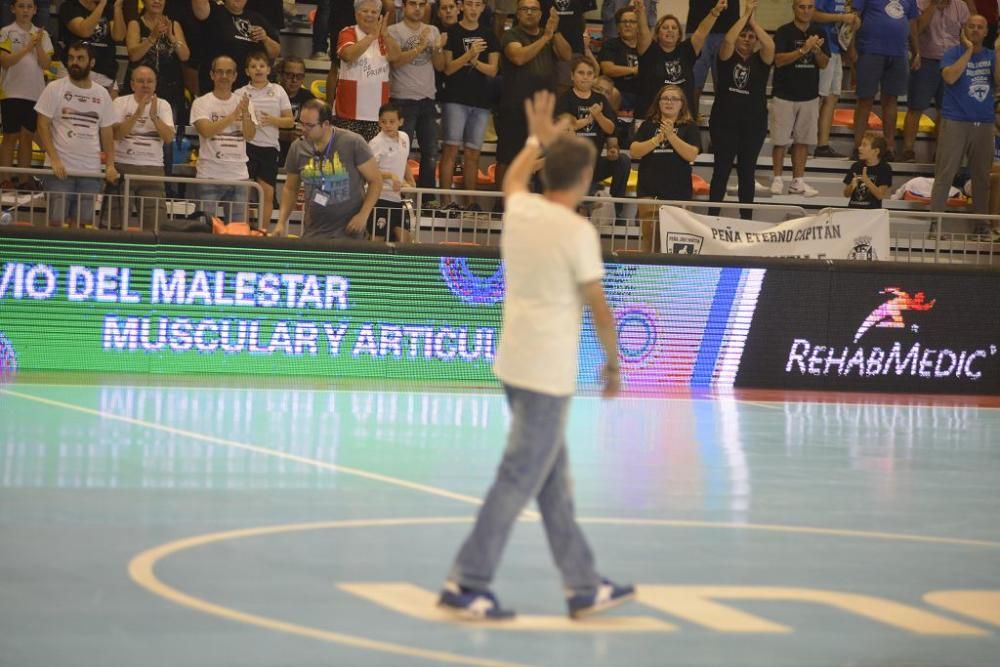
pixel 322 196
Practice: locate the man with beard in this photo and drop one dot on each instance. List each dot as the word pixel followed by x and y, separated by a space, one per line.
pixel 143 123
pixel 75 120
pixel 100 25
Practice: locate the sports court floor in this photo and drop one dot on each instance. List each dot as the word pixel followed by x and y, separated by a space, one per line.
pixel 190 524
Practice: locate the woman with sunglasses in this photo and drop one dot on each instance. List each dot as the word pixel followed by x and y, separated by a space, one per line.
pixel 738 124
pixel 666 145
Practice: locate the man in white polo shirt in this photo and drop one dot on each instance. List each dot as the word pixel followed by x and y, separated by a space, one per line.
pixel 224 126
pixel 143 123
pixel 75 119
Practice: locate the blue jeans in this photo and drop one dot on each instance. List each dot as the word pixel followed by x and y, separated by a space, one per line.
pixel 233 200
pixel 72 198
pixel 420 121
pixel 321 26
pixel 535 465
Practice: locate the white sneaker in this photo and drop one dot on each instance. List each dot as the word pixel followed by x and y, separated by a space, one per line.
pixel 800 187
pixel 758 187
pixel 321 55
pixel 777 185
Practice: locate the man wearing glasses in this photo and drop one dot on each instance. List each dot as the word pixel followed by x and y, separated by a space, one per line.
pixel 224 126
pixel 340 175
pixel 529 54
pixel 292 75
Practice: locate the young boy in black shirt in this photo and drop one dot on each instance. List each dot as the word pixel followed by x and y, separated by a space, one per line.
pixel 869 179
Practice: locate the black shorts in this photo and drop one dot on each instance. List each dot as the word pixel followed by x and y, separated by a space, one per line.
pixel 18 115
pixel 386 217
pixel 262 163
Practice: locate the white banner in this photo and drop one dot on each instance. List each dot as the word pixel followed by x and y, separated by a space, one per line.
pixel 842 234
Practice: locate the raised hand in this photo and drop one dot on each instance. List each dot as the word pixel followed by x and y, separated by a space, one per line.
pixel 966 42
pixel 552 23
pixel 539 111
pixel 721 6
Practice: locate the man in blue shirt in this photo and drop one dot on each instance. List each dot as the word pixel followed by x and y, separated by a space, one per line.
pixel 970 78
pixel 887 28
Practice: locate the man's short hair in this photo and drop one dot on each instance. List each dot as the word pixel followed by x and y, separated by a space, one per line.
pixel 627 9
pixel 321 108
pixel 215 61
pixel 139 67
pixel 568 159
pixel 292 60
pixel 80 45
pixel 580 60
pixel 358 4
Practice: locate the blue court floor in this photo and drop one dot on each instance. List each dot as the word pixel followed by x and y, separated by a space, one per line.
pixel 193 525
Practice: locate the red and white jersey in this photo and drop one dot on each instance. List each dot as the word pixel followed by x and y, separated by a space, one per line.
pixel 363 85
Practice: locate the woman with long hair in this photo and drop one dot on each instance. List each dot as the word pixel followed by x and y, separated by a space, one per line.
pixel 738 124
pixel 157 41
pixel 666 145
pixel 666 57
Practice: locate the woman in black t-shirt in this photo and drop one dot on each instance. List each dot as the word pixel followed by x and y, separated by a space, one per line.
pixel 666 57
pixel 738 124
pixel 666 145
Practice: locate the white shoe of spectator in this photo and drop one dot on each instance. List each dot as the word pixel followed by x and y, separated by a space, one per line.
pixel 800 187
pixel 759 188
pixel 321 55
pixel 777 185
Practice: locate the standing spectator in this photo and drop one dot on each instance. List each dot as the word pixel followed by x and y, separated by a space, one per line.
pixel 801 53
pixel 412 87
pixel 738 124
pixel 292 76
pixel 25 51
pixel 232 30
pixel 571 27
pixel 938 28
pixel 391 148
pixel 832 14
pixel 321 31
pixel 40 19
pixel 665 145
pixel 528 65
pixel 100 25
pixel 224 125
pixel 447 14
pixel 664 58
pixel 158 42
pixel 697 11
pixel 989 10
pixel 609 15
pixel 882 42
pixel 869 180
pixel 594 120
pixel 619 56
pixel 365 51
pixel 271 112
pixel 341 177
pixel 75 124
pixel 471 60
pixel 970 76
pixel 143 124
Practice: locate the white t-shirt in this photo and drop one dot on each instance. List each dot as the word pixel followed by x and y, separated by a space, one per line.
pixel 549 252
pixel 271 99
pixel 77 115
pixel 224 156
pixel 25 80
pixel 391 155
pixel 142 146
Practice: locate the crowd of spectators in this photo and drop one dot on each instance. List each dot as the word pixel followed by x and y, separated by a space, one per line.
pixel 415 75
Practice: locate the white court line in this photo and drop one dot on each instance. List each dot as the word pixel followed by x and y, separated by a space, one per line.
pixel 235 444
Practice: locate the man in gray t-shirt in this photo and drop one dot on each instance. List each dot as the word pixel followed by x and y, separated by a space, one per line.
pixel 412 87
pixel 340 175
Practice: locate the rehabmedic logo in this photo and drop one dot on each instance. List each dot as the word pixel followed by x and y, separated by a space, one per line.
pixel 906 355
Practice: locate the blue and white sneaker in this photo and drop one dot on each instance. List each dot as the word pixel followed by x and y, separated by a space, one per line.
pixel 471 604
pixel 608 595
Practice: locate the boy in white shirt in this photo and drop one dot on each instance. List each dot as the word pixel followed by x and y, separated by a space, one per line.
pixel 224 125
pixel 271 110
pixel 25 51
pixel 391 148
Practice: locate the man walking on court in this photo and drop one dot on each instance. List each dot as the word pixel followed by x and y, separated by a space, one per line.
pixel 553 268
